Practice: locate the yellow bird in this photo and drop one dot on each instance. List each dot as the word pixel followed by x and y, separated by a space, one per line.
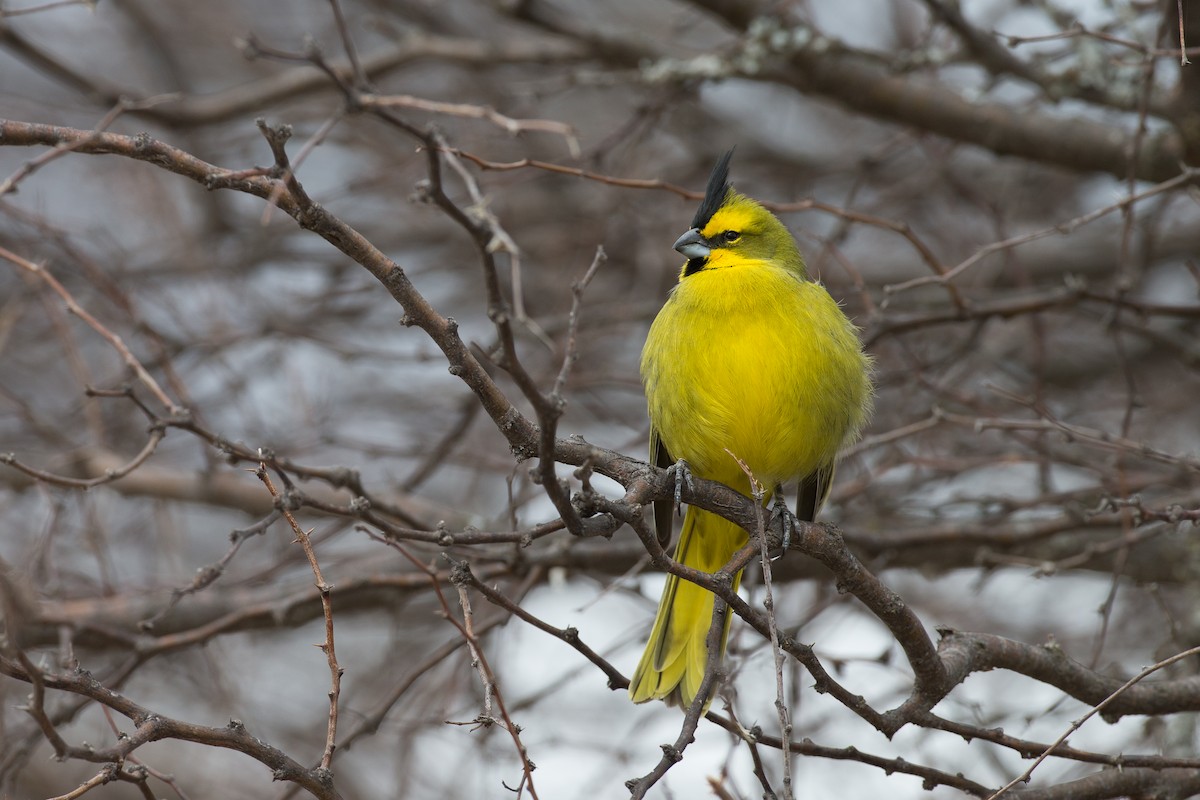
pixel 749 357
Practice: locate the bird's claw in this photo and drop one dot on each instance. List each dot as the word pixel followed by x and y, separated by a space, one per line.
pixel 789 521
pixel 683 474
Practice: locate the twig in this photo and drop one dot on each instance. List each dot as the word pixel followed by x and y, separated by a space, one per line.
pixel 1183 53
pixel 758 493
pixel 673 753
pixel 16 12
pixel 356 67
pixel 1031 749
pixel 489 237
pixel 900 228
pixel 509 124
pixel 287 169
pixel 1077 724
pixel 208 575
pixel 37 707
pixel 806 747
pixel 1077 30
pixel 141 770
pixel 501 241
pixel 436 456
pixel 486 678
pixel 369 724
pixel 569 635
pixel 460 576
pixel 76 309
pixel 110 475
pixel 896 434
pixel 9 184
pixel 750 737
pixel 460 579
pixel 571 351
pixel 629 183
pixel 1100 439
pixel 1186 176
pixel 326 589
pixel 106 775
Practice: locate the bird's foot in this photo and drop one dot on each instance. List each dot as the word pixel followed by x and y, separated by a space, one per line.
pixel 789 521
pixel 683 475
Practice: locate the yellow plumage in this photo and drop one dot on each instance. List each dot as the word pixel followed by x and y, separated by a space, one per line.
pixel 751 357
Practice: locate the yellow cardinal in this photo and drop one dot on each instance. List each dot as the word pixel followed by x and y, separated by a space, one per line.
pixel 750 358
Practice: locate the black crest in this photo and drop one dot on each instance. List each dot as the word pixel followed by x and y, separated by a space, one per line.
pixel 714 195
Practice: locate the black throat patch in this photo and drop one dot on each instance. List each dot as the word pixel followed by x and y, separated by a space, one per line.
pixel 694 265
pixel 714 194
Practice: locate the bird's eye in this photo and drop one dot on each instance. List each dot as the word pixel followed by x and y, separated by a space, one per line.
pixel 731 236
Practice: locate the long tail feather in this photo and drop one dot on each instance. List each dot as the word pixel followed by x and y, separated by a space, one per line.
pixel 672 667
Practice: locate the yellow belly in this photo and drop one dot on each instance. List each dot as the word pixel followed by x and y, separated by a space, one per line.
pixel 757 361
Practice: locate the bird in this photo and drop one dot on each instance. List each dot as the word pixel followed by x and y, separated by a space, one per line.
pixel 749 360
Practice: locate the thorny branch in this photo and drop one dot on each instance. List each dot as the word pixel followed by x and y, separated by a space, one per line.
pixel 326 590
pixel 491 690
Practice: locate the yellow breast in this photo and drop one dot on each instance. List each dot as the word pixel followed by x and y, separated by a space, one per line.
pixel 757 361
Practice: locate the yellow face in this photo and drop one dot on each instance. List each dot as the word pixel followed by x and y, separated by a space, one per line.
pixel 732 232
pixel 740 233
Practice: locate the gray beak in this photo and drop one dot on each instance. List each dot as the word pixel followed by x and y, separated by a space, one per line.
pixel 692 244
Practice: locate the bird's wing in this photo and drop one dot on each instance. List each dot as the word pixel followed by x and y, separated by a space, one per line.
pixel 663 509
pixel 814 491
